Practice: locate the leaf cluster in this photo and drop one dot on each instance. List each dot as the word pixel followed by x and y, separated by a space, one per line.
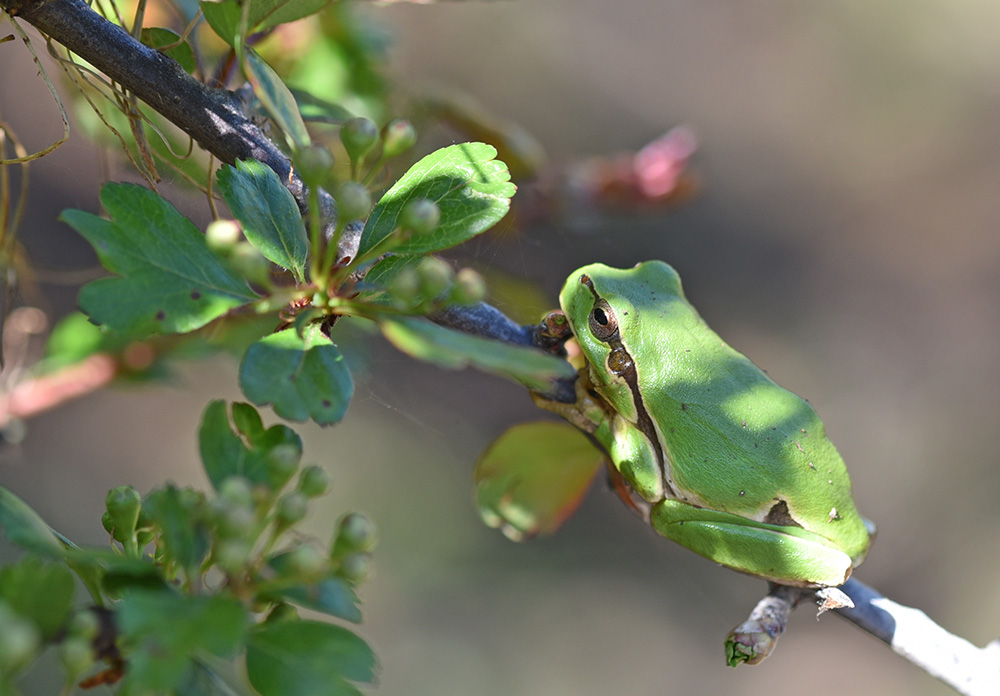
pixel 194 578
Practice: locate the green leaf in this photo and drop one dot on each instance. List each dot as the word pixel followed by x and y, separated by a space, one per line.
pixel 267 212
pixel 224 17
pixel 455 350
pixel 472 189
pixel 166 631
pixel 243 452
pixel 300 376
pixel 534 476
pixel 276 98
pixel 24 527
pixel 156 37
pixel 307 658
pixel 181 515
pixel 39 591
pixel 169 281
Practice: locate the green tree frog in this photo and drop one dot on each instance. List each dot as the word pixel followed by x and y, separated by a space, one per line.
pixel 706 446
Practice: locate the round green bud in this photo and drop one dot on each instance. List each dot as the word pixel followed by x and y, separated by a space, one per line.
pixel 84 624
pixel 354 202
pixel 249 263
pixel 306 564
pixel 236 490
pixel 292 508
pixel 420 216
pixel 469 287
pixel 435 276
pixel 404 288
pixel 232 555
pixel 77 656
pixel 282 463
pixel 221 235
pixel 314 481
pixel 123 504
pixel 314 164
pixel 233 521
pixel 398 136
pixel 359 135
pixel 19 641
pixel 354 567
pixel 355 532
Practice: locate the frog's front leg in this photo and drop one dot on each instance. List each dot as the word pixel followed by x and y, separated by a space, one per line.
pixel 782 554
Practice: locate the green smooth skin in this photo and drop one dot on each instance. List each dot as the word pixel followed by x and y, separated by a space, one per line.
pixel 727 463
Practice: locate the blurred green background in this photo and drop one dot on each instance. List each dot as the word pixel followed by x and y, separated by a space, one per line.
pixel 845 238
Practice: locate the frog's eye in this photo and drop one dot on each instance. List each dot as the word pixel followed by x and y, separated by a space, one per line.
pixel 603 323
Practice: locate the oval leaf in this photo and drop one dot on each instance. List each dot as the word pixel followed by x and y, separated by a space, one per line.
pixel 300 376
pixel 455 350
pixel 534 476
pixel 307 658
pixel 471 187
pixel 267 212
pixel 169 280
pixel 276 98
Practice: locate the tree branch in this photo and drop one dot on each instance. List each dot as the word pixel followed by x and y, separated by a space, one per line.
pixel 909 632
pixel 213 117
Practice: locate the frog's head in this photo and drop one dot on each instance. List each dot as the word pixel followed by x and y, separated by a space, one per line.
pixel 609 310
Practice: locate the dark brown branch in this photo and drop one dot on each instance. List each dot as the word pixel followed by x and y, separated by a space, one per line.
pixel 213 117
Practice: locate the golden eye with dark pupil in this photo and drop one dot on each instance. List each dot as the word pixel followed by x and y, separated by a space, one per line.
pixel 603 323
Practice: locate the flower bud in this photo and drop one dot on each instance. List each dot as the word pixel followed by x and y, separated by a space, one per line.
pixel 123 505
pixel 282 463
pixel 354 567
pixel 221 235
pixel 77 657
pixel 435 276
pixel 314 481
pixel 19 641
pixel 355 532
pixel 469 287
pixel 292 508
pixel 232 555
pixel 354 202
pixel 398 136
pixel 306 564
pixel 420 216
pixel 359 135
pixel 315 165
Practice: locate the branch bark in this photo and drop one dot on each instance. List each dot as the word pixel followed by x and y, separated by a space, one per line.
pixel 213 117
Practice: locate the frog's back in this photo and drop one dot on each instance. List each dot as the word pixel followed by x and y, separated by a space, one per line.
pixel 722 419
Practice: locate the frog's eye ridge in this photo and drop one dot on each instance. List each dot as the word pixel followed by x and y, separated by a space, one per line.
pixel 603 322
